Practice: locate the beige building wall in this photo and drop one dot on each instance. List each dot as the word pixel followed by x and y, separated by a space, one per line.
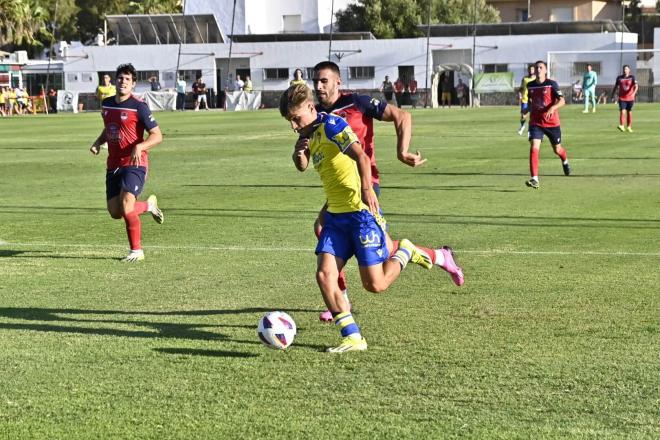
pixel 558 10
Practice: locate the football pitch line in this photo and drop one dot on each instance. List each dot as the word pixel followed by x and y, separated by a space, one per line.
pixel 224 248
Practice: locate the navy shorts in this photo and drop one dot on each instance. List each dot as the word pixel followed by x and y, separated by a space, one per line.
pixel 353 233
pixel 130 179
pixel 626 105
pixel 524 108
pixel 553 133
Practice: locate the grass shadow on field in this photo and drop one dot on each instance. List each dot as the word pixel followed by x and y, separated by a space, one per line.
pixel 74 321
pixel 10 253
pixel 209 353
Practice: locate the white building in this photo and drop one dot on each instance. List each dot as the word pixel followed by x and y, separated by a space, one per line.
pixel 269 16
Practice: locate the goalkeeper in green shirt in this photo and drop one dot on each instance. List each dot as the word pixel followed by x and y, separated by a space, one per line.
pixel 589 81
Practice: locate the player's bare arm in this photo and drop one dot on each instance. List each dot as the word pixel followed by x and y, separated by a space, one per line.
pixel 369 198
pixel 403 126
pixel 301 154
pixel 155 138
pixel 96 146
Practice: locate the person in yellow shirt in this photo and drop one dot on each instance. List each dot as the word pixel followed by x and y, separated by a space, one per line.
pixel 297 78
pixel 524 99
pixel 106 90
pixel 353 224
pixel 11 97
pixel 3 99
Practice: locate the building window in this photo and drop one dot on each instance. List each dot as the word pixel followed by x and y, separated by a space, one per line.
pixel 71 77
pixel 580 67
pixel 276 74
pixel 144 75
pixel 190 76
pixel 361 72
pixel 35 82
pixel 87 77
pixel 291 23
pixel 494 68
pixel 523 14
pixel 561 14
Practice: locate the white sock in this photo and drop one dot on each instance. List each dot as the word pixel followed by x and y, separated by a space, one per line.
pixel 402 257
pixel 439 257
pixel 565 162
pixel 535 178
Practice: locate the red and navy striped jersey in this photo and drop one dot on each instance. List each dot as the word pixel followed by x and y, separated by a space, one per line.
pixel 626 86
pixel 125 123
pixel 360 112
pixel 542 96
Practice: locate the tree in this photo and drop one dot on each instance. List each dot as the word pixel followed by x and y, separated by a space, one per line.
pixel 401 18
pixel 22 24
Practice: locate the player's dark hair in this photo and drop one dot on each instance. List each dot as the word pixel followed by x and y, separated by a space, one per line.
pixel 625 65
pixel 540 62
pixel 294 97
pixel 127 68
pixel 589 65
pixel 323 65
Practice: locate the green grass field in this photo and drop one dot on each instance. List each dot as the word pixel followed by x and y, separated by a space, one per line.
pixel 556 333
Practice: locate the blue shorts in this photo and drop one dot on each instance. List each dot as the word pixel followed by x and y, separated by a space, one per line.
pixel 353 233
pixel 524 108
pixel 130 179
pixel 626 105
pixel 553 133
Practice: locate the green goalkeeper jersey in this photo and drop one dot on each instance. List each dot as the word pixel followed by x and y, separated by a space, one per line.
pixel 589 81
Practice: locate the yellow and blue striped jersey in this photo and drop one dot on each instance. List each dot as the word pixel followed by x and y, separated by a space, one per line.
pixel 524 98
pixel 339 174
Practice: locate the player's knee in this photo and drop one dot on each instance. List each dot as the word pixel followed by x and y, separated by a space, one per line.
pixel 374 286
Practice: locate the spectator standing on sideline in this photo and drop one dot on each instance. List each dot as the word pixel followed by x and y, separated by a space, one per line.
pixel 247 87
pixel 412 89
pixel 3 100
pixel 297 78
pixel 445 88
pixel 52 100
pixel 462 91
pixel 180 93
pixel 387 88
pixel 398 91
pixel 199 89
pixel 154 83
pixel 239 84
pixel 106 90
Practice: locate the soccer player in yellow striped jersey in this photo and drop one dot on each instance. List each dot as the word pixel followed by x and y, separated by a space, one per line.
pixel 106 90
pixel 524 99
pixel 353 225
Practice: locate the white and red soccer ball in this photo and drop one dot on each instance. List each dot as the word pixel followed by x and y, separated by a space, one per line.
pixel 276 330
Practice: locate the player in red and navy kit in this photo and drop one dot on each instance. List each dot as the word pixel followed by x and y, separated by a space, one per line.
pixel 360 112
pixel 627 89
pixel 125 119
pixel 545 100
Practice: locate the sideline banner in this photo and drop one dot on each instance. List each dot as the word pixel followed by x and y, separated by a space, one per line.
pixel 67 101
pixel 159 101
pixel 239 101
pixel 494 82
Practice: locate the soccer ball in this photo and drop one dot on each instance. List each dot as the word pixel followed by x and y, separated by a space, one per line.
pixel 276 330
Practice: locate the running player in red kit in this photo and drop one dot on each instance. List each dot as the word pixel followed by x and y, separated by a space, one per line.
pixel 125 118
pixel 627 85
pixel 545 100
pixel 360 111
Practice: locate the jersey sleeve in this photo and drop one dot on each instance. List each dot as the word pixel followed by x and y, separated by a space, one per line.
pixel 145 116
pixel 339 132
pixel 634 80
pixel 372 107
pixel 556 91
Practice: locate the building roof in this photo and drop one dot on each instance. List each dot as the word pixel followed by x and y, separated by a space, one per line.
pixel 525 28
pixel 264 38
pixel 164 29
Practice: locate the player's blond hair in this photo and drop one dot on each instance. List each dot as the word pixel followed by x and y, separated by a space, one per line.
pixel 294 97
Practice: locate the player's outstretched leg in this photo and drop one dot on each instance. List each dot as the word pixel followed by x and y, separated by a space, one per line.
pixel 326 315
pixel 443 257
pixel 559 151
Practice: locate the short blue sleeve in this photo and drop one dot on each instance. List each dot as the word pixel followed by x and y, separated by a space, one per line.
pixel 371 107
pixel 145 116
pixel 338 131
pixel 556 91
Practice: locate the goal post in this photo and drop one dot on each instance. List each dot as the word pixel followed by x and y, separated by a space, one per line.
pixel 568 66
